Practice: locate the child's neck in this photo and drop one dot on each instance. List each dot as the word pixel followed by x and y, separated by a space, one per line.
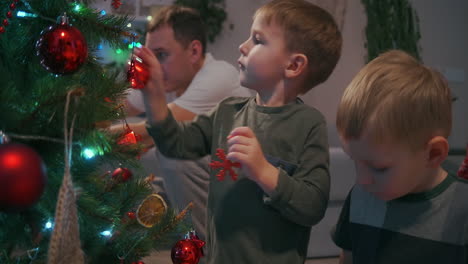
pixel 275 98
pixel 434 178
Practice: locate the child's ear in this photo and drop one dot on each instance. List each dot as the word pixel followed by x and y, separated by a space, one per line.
pixel 437 151
pixel 297 65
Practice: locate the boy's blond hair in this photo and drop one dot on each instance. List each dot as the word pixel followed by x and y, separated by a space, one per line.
pixel 310 30
pixel 397 99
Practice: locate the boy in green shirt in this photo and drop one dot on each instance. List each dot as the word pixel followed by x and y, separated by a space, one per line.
pixel 393 120
pixel 265 213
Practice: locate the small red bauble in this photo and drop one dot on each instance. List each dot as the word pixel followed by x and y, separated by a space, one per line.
pixel 131 215
pixel 138 262
pixel 137 73
pixel 187 251
pixel 22 176
pixel 128 137
pixel 62 49
pixel 121 174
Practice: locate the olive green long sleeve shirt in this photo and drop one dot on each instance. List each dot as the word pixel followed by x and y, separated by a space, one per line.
pixel 244 225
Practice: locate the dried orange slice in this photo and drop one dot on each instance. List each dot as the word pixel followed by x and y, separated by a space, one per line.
pixel 151 210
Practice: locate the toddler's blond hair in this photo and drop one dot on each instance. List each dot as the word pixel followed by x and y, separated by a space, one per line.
pixel 397 98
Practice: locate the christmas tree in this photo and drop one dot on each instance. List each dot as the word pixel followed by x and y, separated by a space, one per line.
pixel 78 188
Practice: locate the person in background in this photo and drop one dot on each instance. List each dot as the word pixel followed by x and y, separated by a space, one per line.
pixel 263 209
pixel 394 120
pixel 194 82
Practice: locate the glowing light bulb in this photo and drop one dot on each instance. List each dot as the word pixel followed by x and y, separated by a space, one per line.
pixel 106 233
pixel 88 153
pixel 48 225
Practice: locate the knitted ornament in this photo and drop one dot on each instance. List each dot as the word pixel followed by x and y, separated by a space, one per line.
pixel 65 245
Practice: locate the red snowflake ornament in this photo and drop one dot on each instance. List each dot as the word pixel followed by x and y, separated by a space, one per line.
pixel 116 4
pixel 225 165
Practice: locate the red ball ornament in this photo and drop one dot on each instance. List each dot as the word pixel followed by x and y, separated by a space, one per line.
pixel 122 174
pixel 131 215
pixel 138 262
pixel 137 73
pixel 188 250
pixel 62 48
pixel 22 176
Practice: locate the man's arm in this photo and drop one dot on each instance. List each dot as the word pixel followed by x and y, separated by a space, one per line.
pixel 179 113
pixel 346 257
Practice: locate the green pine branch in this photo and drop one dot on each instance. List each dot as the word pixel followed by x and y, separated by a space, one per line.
pixel 32 102
pixel 391 24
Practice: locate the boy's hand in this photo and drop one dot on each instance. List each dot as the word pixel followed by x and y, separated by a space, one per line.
pixel 244 148
pixel 155 84
pixel 154 93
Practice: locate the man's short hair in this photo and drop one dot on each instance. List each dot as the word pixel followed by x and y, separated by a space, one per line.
pixel 396 98
pixel 184 21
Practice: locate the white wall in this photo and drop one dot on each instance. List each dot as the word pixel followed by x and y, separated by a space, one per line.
pixel 444 42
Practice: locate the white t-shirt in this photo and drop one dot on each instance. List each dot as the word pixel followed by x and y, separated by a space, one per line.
pixel 187 180
pixel 215 81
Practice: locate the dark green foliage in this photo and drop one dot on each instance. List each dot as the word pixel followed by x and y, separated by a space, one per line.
pixel 391 24
pixel 32 102
pixel 212 13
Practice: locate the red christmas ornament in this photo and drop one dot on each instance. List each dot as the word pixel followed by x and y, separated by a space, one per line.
pixel 9 14
pixel 137 73
pixel 138 262
pixel 22 176
pixel 62 48
pixel 131 215
pixel 188 250
pixel 463 171
pixel 225 165
pixel 116 4
pixel 121 174
pixel 128 137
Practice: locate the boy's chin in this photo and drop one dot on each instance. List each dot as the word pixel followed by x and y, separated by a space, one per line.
pixel 384 196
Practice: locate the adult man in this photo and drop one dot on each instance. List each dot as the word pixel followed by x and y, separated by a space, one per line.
pixel 195 82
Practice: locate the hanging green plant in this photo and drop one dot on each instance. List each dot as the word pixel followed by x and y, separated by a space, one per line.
pixel 391 24
pixel 212 13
